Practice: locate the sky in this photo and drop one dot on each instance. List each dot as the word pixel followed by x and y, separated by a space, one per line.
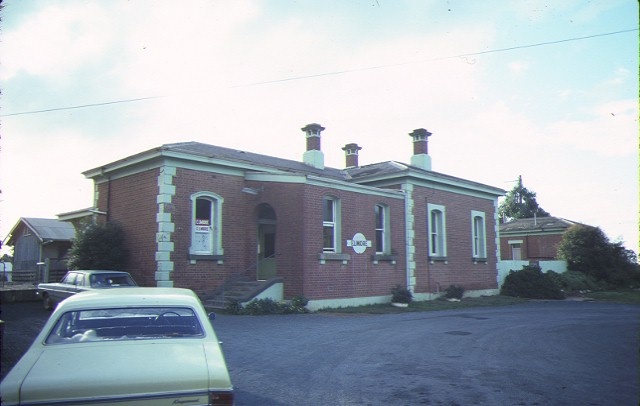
pixel 546 90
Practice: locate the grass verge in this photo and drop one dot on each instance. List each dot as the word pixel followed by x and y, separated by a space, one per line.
pixel 618 296
pixel 626 297
pixel 430 305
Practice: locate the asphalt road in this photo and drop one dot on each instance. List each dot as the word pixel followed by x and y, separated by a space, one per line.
pixel 539 353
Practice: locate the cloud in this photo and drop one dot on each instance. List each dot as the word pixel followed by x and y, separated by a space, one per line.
pixel 610 131
pixel 56 41
pixel 517 68
pixel 620 77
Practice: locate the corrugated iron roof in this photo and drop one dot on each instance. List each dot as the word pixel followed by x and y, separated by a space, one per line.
pixel 536 224
pixel 262 163
pixel 392 168
pixel 50 229
pixel 250 158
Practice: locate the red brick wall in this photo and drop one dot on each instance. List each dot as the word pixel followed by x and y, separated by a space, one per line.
pixel 286 200
pixel 131 202
pixel 460 268
pixel 239 232
pixel 360 277
pixel 533 247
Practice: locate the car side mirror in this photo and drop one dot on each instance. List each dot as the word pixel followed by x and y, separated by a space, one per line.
pixel 212 316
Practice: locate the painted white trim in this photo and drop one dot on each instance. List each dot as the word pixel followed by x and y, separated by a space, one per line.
pixel 510 242
pixel 217 202
pixel 496 230
pixel 443 240
pixel 315 305
pixel 421 180
pixel 275 177
pixel 410 233
pixel 483 253
pixel 353 187
pixel 273 292
pixel 337 224
pixel 531 233
pixel 166 227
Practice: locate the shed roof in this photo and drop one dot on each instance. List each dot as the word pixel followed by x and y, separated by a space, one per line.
pixel 536 224
pixel 44 229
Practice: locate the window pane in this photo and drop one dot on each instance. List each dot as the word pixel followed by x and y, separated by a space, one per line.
pixel 328 238
pixel 203 212
pixel 379 217
pixel 379 241
pixel 327 210
pixel 269 245
pixel 434 232
pixel 126 324
pixel 70 279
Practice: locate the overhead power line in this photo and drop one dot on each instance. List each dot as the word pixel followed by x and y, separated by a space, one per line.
pixel 334 73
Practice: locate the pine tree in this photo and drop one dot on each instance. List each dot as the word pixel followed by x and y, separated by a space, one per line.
pixel 520 203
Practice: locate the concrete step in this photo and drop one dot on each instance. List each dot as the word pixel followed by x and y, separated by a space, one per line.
pixel 241 291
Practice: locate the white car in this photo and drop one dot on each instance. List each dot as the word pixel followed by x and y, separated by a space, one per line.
pixel 135 346
pixel 79 281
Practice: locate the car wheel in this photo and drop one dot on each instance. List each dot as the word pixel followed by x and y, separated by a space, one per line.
pixel 47 303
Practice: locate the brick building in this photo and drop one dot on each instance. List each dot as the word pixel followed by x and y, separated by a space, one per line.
pixel 202 216
pixel 532 239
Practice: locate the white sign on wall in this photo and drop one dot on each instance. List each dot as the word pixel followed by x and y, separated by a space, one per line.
pixel 359 243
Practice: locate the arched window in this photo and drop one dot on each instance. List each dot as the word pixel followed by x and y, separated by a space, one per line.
pixel 478 235
pixel 206 224
pixel 382 229
pixel 437 231
pixel 330 224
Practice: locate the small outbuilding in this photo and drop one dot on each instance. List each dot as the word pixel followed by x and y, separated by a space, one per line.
pixel 40 248
pixel 532 239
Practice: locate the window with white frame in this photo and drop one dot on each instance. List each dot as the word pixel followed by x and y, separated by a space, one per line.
pixel 206 224
pixel 382 229
pixel 478 234
pixel 516 249
pixel 437 229
pixel 330 224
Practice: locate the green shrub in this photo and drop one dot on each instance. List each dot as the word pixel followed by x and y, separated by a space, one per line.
pixel 454 292
pixel 269 306
pixel 624 278
pixel 531 283
pixel 234 307
pixel 574 281
pixel 557 279
pixel 401 294
pixel 263 306
pixel 298 304
pixel 98 246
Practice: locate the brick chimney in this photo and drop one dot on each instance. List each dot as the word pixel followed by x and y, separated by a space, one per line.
pixel 313 156
pixel 351 155
pixel 421 157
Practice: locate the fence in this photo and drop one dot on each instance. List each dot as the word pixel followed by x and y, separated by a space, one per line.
pixel 52 270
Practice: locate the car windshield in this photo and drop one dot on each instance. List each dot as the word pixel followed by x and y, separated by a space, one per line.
pixel 130 323
pixel 111 280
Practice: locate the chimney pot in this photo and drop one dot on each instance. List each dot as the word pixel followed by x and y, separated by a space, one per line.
pixel 313 156
pixel 351 154
pixel 421 157
pixel 312 132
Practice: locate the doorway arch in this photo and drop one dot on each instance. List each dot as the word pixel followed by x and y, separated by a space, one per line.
pixel 266 261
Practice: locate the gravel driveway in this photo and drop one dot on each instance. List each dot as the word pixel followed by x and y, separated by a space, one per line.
pixel 538 353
